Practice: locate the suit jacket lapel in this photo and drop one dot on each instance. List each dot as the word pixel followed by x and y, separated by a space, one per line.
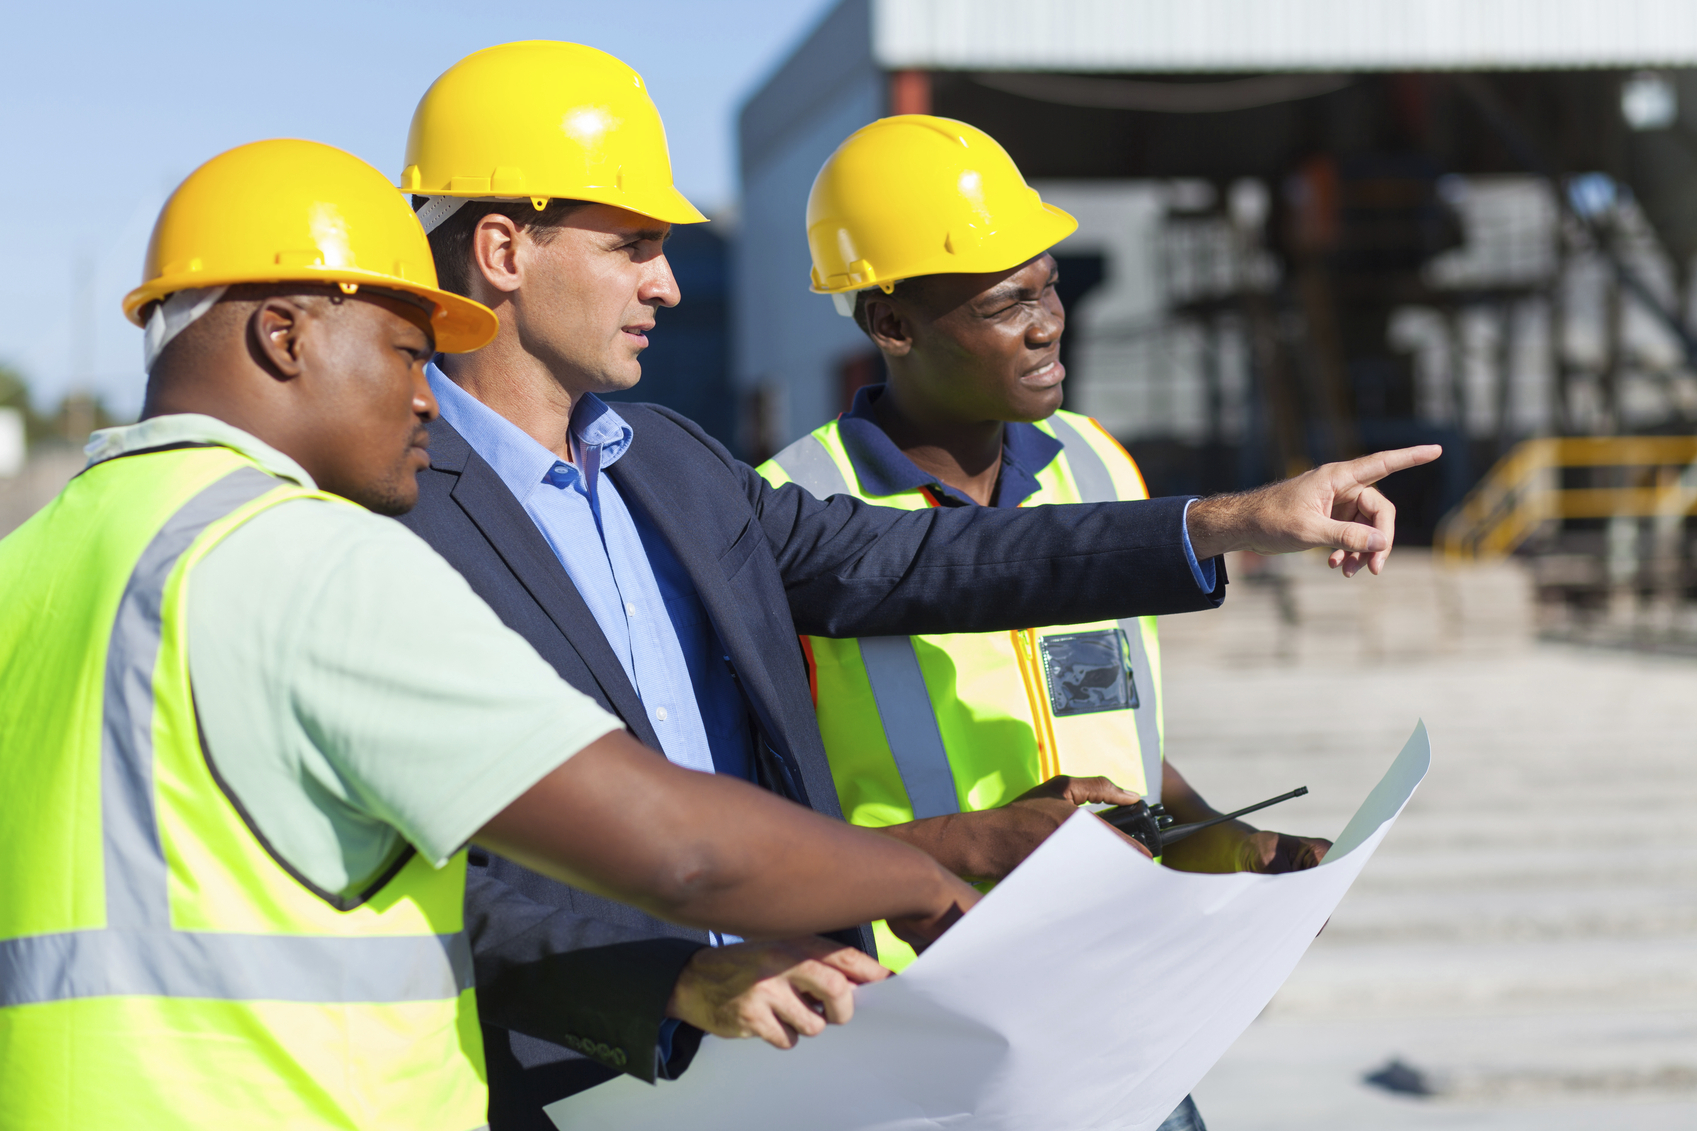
pixel 513 534
pixel 671 519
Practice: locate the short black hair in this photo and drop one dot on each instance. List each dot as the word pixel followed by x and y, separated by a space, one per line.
pixel 903 289
pixel 450 243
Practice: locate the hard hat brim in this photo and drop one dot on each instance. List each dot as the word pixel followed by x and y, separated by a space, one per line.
pixel 665 204
pixel 460 324
pixel 1037 232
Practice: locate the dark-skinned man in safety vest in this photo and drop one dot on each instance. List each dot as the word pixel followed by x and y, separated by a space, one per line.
pixel 238 795
pixel 925 233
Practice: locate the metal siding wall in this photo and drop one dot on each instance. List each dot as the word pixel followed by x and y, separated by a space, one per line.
pixel 785 334
pixel 1266 35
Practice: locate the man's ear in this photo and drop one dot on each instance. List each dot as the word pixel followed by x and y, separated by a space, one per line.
pixel 274 333
pixel 494 254
pixel 887 327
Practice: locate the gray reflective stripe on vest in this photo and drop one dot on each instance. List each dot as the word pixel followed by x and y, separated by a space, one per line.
pixel 892 666
pixel 1096 485
pixel 810 466
pixel 135 862
pixel 232 967
pixel 910 726
pixel 137 953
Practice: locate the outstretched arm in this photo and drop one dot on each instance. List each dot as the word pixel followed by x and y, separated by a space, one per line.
pixel 710 851
pixel 1335 506
pixel 856 570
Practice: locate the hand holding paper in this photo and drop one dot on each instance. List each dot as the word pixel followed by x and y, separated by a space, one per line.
pixel 1040 1008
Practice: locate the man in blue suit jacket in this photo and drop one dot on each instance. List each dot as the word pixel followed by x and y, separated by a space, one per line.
pixel 670 581
pixel 572 986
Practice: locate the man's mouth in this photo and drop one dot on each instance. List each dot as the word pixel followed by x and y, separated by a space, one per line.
pixel 1045 376
pixel 639 332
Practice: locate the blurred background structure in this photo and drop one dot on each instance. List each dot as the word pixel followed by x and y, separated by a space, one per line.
pixel 1310 229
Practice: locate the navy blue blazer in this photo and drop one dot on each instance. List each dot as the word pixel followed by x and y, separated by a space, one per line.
pixel 769 564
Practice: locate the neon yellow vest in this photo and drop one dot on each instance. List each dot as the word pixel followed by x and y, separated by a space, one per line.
pixel 158 968
pixel 926 725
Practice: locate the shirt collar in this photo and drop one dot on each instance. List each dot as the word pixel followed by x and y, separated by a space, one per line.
pixel 519 461
pixel 883 470
pixel 192 428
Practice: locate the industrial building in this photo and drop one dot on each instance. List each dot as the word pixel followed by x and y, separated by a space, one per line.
pixel 1308 228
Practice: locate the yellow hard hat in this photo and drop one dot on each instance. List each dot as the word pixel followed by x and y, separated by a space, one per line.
pixel 289 211
pixel 920 195
pixel 544 120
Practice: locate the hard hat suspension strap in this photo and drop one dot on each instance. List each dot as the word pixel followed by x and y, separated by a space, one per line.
pixel 437 209
pixel 171 316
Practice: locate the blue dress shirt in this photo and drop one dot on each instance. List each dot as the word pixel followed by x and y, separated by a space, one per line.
pixel 631 580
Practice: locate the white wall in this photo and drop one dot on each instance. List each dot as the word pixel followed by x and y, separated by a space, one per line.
pixel 785 339
pixel 11 442
pixel 784 334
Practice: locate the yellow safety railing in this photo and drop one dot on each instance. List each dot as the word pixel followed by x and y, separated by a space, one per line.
pixel 1524 490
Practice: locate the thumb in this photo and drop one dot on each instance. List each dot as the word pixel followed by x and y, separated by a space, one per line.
pixel 1356 536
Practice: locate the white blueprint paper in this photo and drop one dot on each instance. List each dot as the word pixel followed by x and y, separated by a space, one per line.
pixel 1090 989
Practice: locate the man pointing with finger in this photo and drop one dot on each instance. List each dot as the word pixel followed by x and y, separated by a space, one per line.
pixel 666 579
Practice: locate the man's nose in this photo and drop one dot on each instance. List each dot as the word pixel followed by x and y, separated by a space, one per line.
pixel 424 404
pixel 1048 324
pixel 659 284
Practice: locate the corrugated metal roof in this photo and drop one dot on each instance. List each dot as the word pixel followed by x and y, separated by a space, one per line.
pixel 1282 35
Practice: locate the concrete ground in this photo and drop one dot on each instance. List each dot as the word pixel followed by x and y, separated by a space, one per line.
pixel 1525 942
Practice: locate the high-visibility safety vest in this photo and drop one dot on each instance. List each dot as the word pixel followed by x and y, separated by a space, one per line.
pixel 921 726
pixel 158 967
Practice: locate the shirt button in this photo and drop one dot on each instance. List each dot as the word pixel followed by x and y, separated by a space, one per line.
pixel 660 714
pixel 630 609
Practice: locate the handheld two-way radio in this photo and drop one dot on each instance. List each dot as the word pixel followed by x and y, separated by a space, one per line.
pixel 1152 826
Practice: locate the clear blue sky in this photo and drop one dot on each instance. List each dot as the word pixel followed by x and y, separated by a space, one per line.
pixel 106 106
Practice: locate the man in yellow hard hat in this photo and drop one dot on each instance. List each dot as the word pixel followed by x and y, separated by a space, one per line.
pixel 668 580
pixel 238 792
pixel 925 233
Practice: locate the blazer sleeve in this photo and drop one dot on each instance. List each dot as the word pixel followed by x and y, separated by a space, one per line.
pixel 595 987
pixel 854 569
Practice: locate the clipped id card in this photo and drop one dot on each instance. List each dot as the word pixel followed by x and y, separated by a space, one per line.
pixel 1088 672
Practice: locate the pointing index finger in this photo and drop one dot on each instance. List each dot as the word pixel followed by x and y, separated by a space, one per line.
pixel 1369 469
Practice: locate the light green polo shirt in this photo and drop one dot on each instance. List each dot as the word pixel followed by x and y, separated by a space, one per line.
pixel 355 695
